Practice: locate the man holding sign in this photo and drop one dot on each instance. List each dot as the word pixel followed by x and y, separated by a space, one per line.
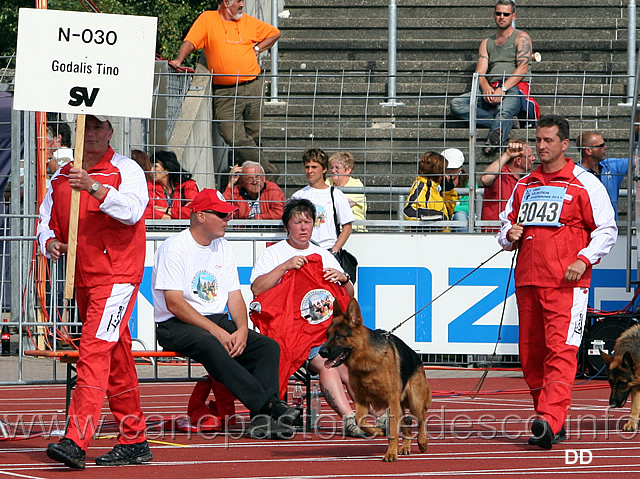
pixel 560 219
pixel 109 268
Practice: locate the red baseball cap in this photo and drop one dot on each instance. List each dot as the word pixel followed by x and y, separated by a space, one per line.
pixel 210 199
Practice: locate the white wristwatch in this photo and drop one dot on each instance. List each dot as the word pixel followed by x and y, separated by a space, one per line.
pixel 95 187
pixel 256 48
pixel 504 89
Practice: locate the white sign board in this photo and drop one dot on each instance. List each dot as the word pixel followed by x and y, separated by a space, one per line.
pixel 76 62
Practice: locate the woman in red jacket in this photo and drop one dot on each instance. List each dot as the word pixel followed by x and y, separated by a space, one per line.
pixel 172 189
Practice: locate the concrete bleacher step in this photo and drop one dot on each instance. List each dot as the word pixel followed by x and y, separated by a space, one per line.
pixel 337 55
pixel 481 27
pixel 579 62
pixel 354 86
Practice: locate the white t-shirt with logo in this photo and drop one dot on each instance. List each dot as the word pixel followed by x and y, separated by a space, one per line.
pixel 204 274
pixel 324 230
pixel 276 254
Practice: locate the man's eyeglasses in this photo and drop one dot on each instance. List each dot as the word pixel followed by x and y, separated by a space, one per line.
pixel 222 216
pixel 252 180
pixel 601 145
pixel 226 34
pixel 502 14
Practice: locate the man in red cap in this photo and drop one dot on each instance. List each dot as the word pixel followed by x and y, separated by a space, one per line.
pixel 195 281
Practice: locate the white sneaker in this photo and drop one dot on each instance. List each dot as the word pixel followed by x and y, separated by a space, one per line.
pixel 350 428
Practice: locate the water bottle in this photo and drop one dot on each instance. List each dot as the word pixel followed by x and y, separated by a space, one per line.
pixel 6 339
pixel 298 404
pixel 315 406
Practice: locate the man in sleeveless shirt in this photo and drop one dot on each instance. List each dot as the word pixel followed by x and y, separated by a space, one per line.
pixel 506 53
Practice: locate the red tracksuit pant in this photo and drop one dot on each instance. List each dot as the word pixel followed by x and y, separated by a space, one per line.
pixel 551 325
pixel 105 365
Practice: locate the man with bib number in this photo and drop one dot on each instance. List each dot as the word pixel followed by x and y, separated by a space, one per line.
pixel 561 220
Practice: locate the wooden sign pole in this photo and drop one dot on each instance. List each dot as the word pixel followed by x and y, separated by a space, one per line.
pixel 72 241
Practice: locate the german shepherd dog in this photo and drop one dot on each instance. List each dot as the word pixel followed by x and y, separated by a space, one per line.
pixel 384 373
pixel 624 373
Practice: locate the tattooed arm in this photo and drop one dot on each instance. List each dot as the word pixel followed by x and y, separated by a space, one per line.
pixel 523 55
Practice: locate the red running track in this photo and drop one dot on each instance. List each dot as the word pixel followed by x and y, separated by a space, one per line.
pixel 482 437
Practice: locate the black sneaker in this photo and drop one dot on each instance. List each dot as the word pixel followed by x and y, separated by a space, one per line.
pixel 123 454
pixel 67 452
pixel 560 437
pixel 265 427
pixel 282 413
pixel 492 143
pixel 542 434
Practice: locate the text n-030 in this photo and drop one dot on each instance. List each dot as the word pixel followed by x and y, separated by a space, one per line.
pixel 99 37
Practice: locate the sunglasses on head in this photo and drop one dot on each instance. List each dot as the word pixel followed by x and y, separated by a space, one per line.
pixel 502 14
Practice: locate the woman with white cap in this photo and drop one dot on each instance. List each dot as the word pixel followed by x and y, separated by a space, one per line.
pixel 457 178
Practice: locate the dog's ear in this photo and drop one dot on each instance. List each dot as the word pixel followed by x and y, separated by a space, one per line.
pixel 337 310
pixel 353 313
pixel 606 357
pixel 627 360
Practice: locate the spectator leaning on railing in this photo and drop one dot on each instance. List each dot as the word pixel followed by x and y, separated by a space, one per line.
pixel 340 168
pixel 316 163
pixel 171 190
pixel 232 41
pixel 501 177
pixel 255 196
pixel 59 151
pixel 610 171
pixel 432 197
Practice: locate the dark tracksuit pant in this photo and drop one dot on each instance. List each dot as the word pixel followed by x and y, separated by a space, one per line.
pixel 251 377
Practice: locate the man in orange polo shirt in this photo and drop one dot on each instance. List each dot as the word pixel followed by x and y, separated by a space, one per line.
pixel 232 41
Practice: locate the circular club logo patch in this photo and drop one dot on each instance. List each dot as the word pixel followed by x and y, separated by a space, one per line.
pixel 317 306
pixel 205 286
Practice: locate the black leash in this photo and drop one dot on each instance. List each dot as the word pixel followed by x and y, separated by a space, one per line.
pixel 476 389
pixel 387 334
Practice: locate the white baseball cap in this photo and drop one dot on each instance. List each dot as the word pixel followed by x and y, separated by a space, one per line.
pixel 101 118
pixel 454 157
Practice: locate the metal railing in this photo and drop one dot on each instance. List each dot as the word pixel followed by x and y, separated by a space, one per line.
pixel 335 112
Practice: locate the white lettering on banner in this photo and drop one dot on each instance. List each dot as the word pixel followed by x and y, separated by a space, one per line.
pixel 400 273
pixel 90 63
pixel 571 456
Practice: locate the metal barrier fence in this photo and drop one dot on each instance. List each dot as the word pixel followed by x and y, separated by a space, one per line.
pixel 349 112
pixel 334 112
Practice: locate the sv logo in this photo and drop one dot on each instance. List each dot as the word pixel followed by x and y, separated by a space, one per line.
pixel 80 95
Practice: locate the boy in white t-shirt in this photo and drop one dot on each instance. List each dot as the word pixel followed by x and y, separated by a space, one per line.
pixel 195 289
pixel 316 163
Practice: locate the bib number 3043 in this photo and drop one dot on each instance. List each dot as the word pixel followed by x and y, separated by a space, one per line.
pixel 542 206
